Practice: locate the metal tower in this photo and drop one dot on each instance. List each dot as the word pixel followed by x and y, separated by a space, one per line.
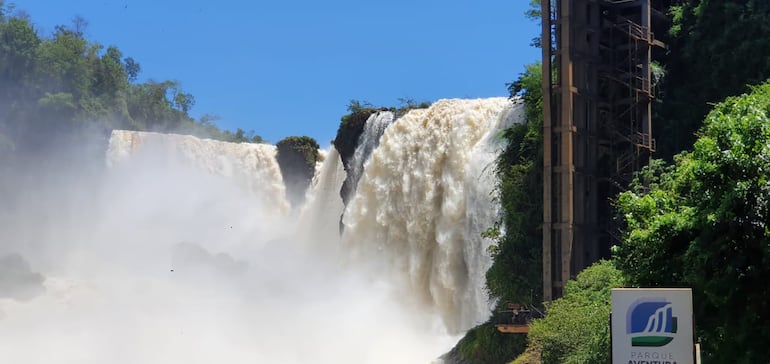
pixel 597 129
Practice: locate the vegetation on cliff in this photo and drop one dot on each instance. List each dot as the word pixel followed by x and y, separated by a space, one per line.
pixel 515 274
pixel 352 126
pixel 297 157
pixel 484 344
pixel 350 129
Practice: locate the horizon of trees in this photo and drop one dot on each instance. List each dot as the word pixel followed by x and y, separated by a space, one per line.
pixel 56 88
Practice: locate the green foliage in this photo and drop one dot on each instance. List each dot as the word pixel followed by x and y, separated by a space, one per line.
pixel 297 157
pixel 406 104
pixel 485 345
pixel 515 275
pixel 242 136
pixel 352 124
pixel 529 87
pixel 716 48
pixel 56 87
pixel 58 101
pixel 534 13
pixel 357 106
pixel 531 355
pixel 702 223
pixel 576 328
pixel 132 68
pixel 305 146
pixel 351 127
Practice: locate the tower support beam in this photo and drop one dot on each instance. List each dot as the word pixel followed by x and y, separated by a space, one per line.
pixel 597 130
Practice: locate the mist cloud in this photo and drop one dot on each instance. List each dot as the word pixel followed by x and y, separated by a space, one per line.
pixel 17 280
pixel 86 277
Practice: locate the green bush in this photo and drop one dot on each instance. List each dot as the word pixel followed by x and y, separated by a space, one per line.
pixel 576 327
pixel 485 345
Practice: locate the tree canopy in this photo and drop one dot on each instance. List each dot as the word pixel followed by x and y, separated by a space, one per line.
pixel 715 49
pixel 702 223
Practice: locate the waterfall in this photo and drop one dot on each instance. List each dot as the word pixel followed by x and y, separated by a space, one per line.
pixel 369 140
pixel 425 195
pixel 323 206
pixel 185 249
pixel 252 166
pixel 482 206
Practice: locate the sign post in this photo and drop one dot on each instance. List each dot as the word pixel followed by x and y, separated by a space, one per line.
pixel 652 326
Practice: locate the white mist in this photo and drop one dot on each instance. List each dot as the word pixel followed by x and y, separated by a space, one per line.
pixel 185 251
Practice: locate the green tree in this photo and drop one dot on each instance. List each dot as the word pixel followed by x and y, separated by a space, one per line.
pixel 132 68
pixel 17 50
pixel 159 106
pixel 109 73
pixel 64 62
pixel 702 223
pixel 515 274
pixel 576 329
pixel 18 58
pixel 534 13
pixel 56 87
pixel 483 344
pixel 716 48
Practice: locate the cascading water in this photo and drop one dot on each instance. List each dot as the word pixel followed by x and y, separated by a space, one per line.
pixel 323 205
pixel 252 166
pixel 482 207
pixel 369 140
pixel 415 209
pixel 184 250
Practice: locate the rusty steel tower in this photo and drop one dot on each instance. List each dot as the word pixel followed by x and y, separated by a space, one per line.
pixel 597 97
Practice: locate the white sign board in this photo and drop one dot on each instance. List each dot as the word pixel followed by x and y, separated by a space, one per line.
pixel 652 326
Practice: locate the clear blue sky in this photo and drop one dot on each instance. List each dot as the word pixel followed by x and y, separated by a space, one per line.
pixel 290 67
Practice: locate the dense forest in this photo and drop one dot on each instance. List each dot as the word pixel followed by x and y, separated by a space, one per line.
pixel 694 218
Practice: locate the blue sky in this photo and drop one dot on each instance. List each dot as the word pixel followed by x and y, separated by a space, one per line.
pixel 290 67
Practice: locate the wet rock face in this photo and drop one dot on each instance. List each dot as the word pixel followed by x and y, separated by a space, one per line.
pixel 346 141
pixel 297 157
pixel 17 280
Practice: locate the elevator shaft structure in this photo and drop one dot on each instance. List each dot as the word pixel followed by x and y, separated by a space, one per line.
pixel 597 130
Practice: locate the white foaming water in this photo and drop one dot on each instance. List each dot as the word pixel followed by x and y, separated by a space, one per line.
pixel 323 206
pixel 162 261
pixel 422 202
pixel 252 166
pixel 370 138
pixel 482 206
pixel 184 252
